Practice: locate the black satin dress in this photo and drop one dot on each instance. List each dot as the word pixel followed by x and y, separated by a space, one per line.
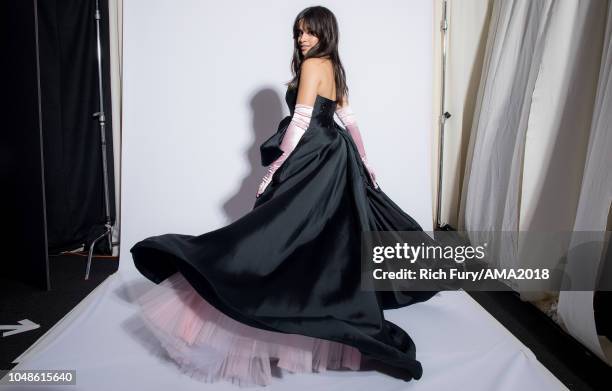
pixel 292 264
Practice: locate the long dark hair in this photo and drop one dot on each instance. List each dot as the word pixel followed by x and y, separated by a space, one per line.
pixel 322 23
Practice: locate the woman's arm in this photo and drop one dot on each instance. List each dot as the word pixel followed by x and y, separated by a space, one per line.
pixel 302 114
pixel 310 78
pixel 347 117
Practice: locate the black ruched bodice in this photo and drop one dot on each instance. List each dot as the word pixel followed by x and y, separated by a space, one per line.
pixel 322 111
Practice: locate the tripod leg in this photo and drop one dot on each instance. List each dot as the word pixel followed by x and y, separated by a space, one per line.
pixel 91 249
pixel 110 239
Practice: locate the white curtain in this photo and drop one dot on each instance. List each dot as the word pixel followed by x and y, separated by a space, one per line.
pixel 576 308
pixel 558 129
pixel 536 158
pixel 490 201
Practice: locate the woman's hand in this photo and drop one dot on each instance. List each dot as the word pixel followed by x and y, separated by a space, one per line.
pixel 371 171
pixel 263 185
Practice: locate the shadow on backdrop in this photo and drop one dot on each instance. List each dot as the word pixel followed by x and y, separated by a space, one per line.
pixel 267 111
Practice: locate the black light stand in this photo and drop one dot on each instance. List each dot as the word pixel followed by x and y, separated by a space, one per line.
pixel 102 121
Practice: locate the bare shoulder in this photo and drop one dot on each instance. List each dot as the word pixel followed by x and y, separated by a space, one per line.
pixel 314 65
pixel 311 72
pixel 311 76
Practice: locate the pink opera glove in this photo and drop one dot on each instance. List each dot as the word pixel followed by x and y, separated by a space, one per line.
pixel 296 129
pixel 348 120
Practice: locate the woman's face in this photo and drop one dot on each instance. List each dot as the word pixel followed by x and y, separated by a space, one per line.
pixel 305 39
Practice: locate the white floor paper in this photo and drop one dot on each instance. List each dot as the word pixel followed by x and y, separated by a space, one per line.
pixel 459 344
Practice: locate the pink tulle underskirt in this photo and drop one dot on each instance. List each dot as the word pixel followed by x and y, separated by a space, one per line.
pixel 209 345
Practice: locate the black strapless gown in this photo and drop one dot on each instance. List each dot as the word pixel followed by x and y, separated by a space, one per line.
pixel 292 264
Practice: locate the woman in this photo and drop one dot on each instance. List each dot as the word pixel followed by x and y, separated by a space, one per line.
pixel 282 283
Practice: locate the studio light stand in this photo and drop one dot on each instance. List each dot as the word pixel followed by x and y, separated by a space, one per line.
pixel 102 122
pixel 444 115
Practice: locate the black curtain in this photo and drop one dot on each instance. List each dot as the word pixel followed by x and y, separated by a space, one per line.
pixel 71 134
pixel 24 243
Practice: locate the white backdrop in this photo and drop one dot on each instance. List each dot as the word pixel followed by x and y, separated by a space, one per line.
pixel 203 87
